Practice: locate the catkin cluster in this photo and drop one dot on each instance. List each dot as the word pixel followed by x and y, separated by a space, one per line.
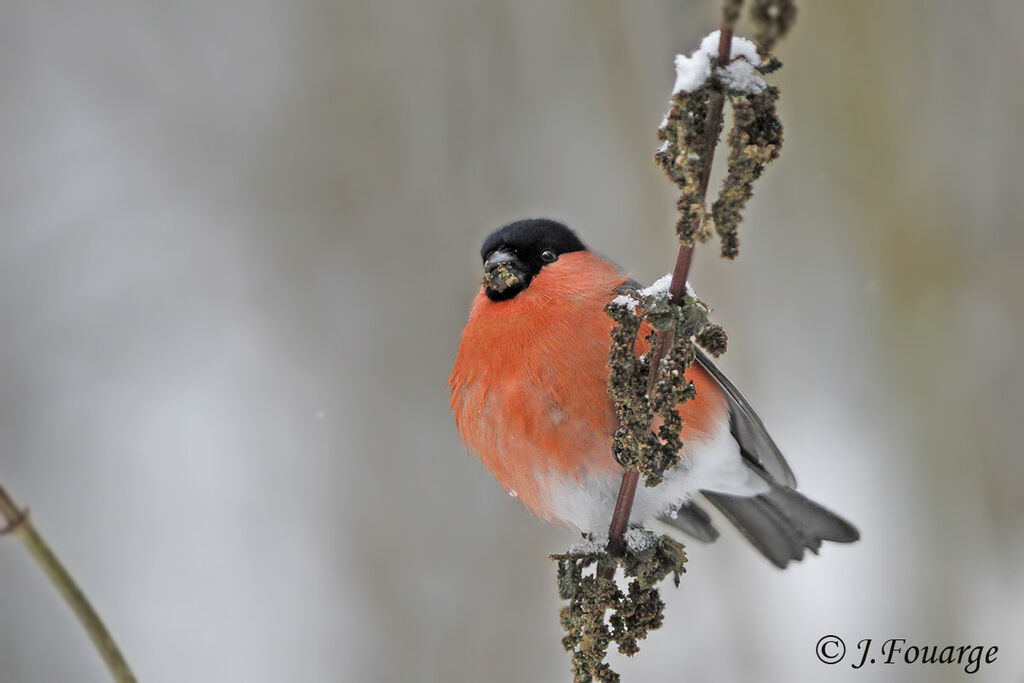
pixel 630 614
pixel 648 438
pixel 689 137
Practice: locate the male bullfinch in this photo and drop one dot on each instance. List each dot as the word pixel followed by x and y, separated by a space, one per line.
pixel 529 395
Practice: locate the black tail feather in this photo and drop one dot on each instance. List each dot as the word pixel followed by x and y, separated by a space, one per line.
pixel 690 518
pixel 783 522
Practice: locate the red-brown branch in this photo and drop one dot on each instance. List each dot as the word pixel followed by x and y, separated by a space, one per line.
pixel 677 290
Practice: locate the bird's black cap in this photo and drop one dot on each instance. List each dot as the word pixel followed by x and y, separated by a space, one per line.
pixel 533 234
pixel 514 254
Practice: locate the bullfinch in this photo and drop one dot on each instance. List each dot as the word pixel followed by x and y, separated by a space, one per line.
pixel 529 394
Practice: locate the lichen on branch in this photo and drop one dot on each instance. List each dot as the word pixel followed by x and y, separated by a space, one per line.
pixel 755 139
pixel 690 131
pixel 599 613
pixel 642 398
pixel 681 155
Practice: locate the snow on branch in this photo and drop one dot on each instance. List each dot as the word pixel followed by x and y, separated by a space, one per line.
pixel 740 75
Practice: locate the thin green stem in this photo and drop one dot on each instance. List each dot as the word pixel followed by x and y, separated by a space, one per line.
pixel 20 526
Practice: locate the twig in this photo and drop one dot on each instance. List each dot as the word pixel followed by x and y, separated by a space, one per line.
pixel 677 290
pixel 20 526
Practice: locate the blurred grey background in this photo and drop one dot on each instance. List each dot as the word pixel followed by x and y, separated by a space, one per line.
pixel 238 243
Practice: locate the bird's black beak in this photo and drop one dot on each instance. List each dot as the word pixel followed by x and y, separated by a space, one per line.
pixel 503 271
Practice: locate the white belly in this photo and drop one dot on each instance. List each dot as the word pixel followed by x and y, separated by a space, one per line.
pixel 714 465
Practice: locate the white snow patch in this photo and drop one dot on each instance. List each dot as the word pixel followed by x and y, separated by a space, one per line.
pixel 626 301
pixel 659 288
pixel 639 540
pixel 741 47
pixel 693 71
pixel 743 77
pixel 589 546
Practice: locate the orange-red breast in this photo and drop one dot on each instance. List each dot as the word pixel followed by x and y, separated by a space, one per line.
pixel 528 390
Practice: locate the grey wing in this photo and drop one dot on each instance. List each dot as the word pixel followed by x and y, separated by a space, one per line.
pixel 629 285
pixel 756 445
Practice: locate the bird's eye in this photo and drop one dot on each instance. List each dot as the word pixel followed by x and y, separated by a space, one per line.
pixel 547 256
